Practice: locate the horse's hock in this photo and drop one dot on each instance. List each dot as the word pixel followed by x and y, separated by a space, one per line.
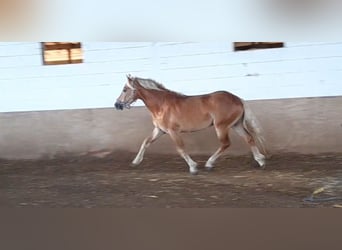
pixel 303 125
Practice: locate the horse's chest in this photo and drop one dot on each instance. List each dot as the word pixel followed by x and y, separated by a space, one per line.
pixel 160 120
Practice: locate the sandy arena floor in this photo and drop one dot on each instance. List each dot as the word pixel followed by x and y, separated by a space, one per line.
pixel 163 181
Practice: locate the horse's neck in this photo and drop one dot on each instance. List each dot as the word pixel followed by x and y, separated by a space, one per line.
pixel 153 99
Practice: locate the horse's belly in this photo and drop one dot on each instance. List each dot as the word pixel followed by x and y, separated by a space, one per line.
pixel 190 125
pixel 184 123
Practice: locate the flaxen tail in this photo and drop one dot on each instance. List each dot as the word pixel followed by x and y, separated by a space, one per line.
pixel 252 125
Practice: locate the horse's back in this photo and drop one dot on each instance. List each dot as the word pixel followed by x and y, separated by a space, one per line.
pixel 225 96
pixel 219 105
pixel 218 100
pixel 221 99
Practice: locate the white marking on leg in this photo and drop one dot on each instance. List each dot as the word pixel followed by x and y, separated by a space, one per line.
pixel 210 162
pixel 191 163
pixel 140 156
pixel 224 139
pixel 180 148
pixel 259 157
pixel 146 143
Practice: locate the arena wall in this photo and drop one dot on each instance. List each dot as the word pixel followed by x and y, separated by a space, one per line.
pixel 301 125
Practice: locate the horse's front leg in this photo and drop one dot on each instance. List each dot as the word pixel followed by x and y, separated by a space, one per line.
pixel 156 133
pixel 180 149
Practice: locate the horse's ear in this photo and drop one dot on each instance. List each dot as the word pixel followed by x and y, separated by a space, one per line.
pixel 130 82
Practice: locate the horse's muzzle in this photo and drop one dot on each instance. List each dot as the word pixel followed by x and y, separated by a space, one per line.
pixel 119 105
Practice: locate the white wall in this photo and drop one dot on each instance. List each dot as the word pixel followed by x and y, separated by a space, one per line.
pixel 297 70
pixel 300 125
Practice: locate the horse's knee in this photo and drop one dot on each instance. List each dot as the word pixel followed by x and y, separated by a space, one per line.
pixel 225 145
pixel 250 139
pixel 225 141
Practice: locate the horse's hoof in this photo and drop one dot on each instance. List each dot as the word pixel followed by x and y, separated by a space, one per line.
pixel 257 165
pixel 133 164
pixel 194 172
pixel 209 169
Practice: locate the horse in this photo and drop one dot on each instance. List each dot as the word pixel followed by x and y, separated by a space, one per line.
pixel 174 113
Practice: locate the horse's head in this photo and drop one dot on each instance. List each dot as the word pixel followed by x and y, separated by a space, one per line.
pixel 127 96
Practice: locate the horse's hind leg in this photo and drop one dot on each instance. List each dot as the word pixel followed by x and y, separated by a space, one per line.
pixel 180 149
pixel 156 133
pixel 259 157
pixel 223 136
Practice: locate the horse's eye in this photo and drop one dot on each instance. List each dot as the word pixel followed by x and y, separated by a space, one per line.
pixel 124 90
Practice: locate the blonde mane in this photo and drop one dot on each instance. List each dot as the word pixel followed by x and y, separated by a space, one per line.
pixel 152 84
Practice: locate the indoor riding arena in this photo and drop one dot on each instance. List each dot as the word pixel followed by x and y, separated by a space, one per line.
pixel 302 138
pixel 64 145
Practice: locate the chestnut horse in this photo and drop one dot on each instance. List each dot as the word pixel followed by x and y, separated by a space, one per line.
pixel 174 113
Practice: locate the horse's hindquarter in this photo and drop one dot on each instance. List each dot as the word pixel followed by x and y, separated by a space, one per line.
pixel 225 107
